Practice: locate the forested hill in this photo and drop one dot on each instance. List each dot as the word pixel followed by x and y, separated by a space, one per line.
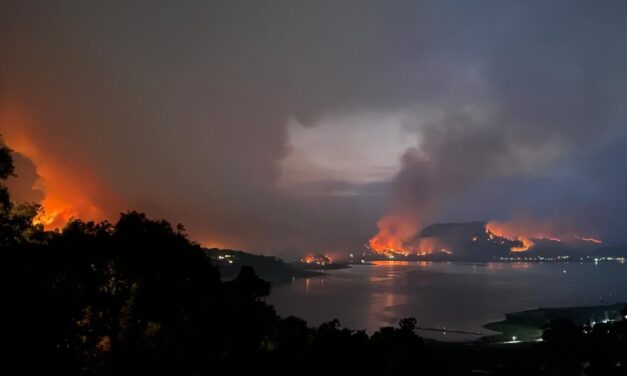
pixel 269 268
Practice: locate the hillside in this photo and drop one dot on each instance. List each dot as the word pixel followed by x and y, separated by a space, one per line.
pixel 270 268
pixel 470 241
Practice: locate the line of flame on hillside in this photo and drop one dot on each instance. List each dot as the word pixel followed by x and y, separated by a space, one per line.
pixel 397 238
pixel 588 239
pixel 517 232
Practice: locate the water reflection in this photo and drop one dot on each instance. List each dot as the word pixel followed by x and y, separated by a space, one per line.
pixel 382 308
pixel 508 265
pixel 392 263
pixel 452 295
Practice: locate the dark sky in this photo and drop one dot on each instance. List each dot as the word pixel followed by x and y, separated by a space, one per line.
pixel 292 126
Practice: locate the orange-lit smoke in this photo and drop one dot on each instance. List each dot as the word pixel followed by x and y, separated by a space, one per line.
pixel 525 231
pixel 70 191
pixel 395 233
pixel 398 235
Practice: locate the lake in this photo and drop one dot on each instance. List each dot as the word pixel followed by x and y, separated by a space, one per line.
pixel 455 296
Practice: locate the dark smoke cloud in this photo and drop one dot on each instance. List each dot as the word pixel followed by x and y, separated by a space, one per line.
pixel 25 186
pixel 182 110
pixel 552 96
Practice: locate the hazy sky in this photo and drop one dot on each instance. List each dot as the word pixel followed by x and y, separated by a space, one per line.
pixel 292 126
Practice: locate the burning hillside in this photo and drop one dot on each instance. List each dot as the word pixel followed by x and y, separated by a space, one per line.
pixel 395 234
pixel 317 260
pixel 320 262
pixel 520 232
pixel 70 188
pixel 478 241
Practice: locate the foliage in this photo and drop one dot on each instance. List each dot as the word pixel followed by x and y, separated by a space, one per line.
pixel 138 297
pixel 599 349
pixel 16 221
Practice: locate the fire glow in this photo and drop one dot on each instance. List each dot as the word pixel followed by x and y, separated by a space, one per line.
pixel 53 216
pixel 317 259
pixel 70 191
pixel 528 233
pixel 395 231
pixel 510 232
pixel 398 236
pixel 588 239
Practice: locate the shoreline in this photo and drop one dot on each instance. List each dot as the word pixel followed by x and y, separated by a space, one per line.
pixel 525 326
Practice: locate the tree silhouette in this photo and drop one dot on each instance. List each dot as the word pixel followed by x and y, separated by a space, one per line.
pixel 16 221
pixel 138 297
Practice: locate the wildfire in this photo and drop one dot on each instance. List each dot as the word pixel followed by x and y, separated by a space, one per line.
pixel 53 219
pixel 526 232
pixel 395 231
pixel 512 232
pixel 588 239
pixel 317 259
pixel 526 244
pixel 70 189
pixel 398 237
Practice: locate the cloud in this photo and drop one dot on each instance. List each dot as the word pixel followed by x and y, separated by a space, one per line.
pixel 545 88
pixel 275 126
pixel 357 148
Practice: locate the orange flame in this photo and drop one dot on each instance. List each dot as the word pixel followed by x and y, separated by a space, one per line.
pixel 319 259
pixel 395 231
pixel 509 231
pixel 398 235
pixel 431 245
pixel 523 231
pixel 70 191
pixel 588 239
pixel 526 231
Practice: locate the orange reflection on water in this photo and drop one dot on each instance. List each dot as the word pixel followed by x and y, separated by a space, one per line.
pixel 311 284
pixel 385 308
pixel 508 265
pixel 495 265
pixel 390 263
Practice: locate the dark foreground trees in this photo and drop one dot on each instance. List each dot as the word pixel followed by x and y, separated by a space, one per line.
pixel 600 349
pixel 138 297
